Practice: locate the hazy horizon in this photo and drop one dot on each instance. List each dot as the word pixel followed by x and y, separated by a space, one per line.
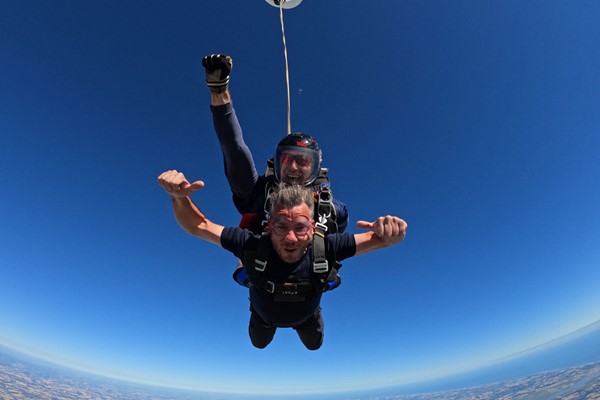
pixel 554 355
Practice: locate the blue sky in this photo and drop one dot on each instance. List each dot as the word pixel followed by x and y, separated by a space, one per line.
pixel 475 121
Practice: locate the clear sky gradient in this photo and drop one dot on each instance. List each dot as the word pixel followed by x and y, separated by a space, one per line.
pixel 475 121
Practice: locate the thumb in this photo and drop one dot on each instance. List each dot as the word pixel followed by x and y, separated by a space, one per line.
pixel 195 186
pixel 364 225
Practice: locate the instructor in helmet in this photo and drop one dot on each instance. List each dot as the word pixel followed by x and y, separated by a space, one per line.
pixel 297 158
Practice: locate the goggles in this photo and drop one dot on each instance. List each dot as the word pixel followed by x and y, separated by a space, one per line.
pixel 282 228
pixel 301 160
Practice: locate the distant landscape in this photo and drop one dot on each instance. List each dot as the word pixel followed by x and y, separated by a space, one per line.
pixel 23 380
pixel 580 383
pixel 565 369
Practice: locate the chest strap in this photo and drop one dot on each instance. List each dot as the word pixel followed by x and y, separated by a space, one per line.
pixel 326 275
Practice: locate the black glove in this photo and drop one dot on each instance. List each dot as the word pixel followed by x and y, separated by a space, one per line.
pixel 217 68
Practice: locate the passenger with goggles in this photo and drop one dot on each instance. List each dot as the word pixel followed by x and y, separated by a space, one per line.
pixel 289 300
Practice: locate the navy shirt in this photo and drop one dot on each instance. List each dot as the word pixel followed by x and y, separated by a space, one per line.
pixel 285 314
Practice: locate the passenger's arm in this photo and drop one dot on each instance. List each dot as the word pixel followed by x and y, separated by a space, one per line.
pixel 193 221
pixel 383 232
pixel 187 214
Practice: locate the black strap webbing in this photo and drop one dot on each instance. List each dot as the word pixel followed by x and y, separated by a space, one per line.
pixel 321 266
pixel 262 253
pixel 320 263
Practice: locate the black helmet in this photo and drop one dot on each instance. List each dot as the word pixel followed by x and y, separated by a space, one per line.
pixel 300 145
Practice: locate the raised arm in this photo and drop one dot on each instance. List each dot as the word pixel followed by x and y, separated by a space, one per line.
pixel 240 169
pixel 187 214
pixel 220 98
pixel 383 232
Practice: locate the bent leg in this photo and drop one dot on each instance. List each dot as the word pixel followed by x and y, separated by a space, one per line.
pixel 311 331
pixel 261 332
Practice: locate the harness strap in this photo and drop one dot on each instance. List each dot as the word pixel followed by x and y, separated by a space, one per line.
pixel 263 251
pixel 255 264
pixel 320 263
pixel 325 214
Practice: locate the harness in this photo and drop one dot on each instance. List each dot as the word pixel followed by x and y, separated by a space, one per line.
pixel 324 273
pixel 325 223
pixel 325 215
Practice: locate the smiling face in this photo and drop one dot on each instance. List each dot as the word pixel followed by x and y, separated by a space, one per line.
pixel 291 232
pixel 297 159
pixel 296 167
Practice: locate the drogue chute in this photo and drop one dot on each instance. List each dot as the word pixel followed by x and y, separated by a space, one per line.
pixel 284 3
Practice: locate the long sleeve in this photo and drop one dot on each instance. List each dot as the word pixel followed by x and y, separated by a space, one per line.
pixel 240 169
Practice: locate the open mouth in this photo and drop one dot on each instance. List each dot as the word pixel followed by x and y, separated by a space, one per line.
pixel 294 178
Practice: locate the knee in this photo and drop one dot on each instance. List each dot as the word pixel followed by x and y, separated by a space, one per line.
pixel 312 339
pixel 314 346
pixel 259 345
pixel 260 333
pixel 260 341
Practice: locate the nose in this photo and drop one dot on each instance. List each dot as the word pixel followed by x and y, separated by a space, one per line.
pixel 290 236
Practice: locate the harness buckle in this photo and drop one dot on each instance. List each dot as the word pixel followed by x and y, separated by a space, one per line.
pixel 320 266
pixel 269 287
pixel 321 226
pixel 260 265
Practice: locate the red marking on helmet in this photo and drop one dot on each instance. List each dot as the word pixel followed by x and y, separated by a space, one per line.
pixel 301 144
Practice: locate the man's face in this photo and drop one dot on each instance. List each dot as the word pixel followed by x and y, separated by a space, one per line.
pixel 296 167
pixel 291 232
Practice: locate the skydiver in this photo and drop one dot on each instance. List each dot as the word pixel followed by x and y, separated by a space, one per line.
pixel 283 294
pixel 297 157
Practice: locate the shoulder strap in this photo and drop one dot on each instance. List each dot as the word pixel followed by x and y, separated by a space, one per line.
pixel 255 260
pixel 321 263
pixel 270 167
pixel 255 263
pixel 262 253
pixel 267 206
pixel 325 215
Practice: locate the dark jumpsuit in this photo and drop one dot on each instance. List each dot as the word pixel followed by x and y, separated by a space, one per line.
pixel 269 314
pixel 249 196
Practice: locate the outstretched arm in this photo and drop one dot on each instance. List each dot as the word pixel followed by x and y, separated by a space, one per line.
pixel 383 232
pixel 189 217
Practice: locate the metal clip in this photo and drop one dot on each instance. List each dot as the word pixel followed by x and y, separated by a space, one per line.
pixel 260 265
pixel 321 266
pixel 271 287
pixel 321 225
